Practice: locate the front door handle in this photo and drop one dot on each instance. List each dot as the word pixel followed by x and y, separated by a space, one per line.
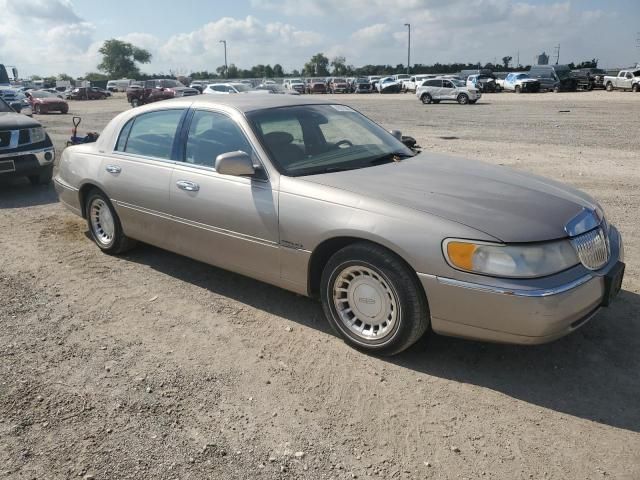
pixel 187 185
pixel 113 169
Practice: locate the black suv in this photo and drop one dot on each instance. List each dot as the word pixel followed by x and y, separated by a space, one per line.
pixel 25 148
pixel 554 77
pixel 589 78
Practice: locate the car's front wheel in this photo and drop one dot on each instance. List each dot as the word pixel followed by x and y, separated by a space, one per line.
pixel 463 99
pixel 373 299
pixel 104 224
pixel 426 98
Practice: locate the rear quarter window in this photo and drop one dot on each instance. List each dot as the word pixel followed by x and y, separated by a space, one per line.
pixel 150 134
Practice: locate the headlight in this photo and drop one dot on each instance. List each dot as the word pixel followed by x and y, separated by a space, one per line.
pixel 37 135
pixel 517 261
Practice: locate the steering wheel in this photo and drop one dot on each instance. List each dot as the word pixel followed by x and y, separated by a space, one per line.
pixel 344 142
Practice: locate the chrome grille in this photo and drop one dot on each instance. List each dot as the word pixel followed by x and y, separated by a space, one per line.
pixel 592 248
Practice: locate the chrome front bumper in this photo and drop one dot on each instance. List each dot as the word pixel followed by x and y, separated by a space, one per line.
pixel 524 315
pixel 44 156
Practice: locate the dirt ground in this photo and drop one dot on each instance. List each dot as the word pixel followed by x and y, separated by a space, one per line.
pixel 154 366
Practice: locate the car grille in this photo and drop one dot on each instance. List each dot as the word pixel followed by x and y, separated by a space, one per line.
pixel 592 248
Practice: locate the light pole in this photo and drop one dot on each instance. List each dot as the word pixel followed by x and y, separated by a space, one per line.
pixel 226 69
pixel 408 25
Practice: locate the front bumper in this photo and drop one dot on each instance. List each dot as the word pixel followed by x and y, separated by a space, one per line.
pixel 521 315
pixel 27 162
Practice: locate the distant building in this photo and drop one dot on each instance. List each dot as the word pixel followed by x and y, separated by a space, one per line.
pixel 543 59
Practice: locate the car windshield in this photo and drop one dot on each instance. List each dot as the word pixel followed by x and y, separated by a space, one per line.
pixel 339 80
pixel 522 75
pixel 295 80
pixel 41 94
pixel 362 80
pixel 170 84
pixel 314 139
pixel 241 87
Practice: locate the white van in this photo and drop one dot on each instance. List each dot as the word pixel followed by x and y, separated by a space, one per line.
pixel 118 85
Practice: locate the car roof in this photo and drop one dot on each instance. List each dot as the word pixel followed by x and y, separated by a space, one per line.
pixel 245 102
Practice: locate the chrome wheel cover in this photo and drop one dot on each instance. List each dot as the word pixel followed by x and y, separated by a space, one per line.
pixel 366 303
pixel 102 222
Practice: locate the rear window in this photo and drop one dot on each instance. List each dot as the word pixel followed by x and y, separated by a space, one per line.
pixel 150 134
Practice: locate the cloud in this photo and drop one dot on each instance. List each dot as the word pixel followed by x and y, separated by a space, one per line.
pixel 249 41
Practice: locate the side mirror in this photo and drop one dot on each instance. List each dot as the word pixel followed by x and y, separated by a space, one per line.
pixel 396 133
pixel 235 163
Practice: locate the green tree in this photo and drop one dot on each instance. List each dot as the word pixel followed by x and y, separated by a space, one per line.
pixel 95 77
pixel 339 66
pixel 317 66
pixel 232 71
pixel 65 77
pixel 278 71
pixel 505 61
pixel 268 71
pixel 119 59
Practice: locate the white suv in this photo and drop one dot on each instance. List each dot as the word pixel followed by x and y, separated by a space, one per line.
pixel 439 89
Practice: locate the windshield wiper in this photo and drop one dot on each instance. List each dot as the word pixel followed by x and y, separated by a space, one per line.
pixel 389 157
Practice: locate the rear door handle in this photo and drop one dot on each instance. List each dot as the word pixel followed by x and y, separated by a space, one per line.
pixel 187 185
pixel 113 169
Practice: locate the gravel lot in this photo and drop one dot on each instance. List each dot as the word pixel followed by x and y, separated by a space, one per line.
pixel 151 365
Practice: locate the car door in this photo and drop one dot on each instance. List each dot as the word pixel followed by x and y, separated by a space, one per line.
pixel 137 173
pixel 447 92
pixel 228 221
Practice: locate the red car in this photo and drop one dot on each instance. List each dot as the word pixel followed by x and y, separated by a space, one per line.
pixel 84 93
pixel 45 102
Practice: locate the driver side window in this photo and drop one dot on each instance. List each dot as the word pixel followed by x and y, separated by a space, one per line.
pixel 212 134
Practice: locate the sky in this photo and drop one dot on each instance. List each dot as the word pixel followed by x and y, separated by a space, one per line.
pixel 48 37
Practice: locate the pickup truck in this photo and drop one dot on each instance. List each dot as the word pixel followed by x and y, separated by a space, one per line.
pixel 156 90
pixel 25 147
pixel 625 80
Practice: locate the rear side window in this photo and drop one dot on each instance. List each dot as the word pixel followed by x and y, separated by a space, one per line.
pixel 150 134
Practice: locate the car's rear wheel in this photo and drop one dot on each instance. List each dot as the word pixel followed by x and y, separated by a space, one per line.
pixel 426 98
pixel 518 89
pixel 135 102
pixel 42 178
pixel 104 224
pixel 373 299
pixel 463 99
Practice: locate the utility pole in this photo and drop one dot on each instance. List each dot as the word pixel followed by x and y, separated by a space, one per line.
pixel 518 61
pixel 408 25
pixel 226 68
pixel 557 49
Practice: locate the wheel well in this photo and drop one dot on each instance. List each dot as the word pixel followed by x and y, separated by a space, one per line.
pixel 323 252
pixel 84 191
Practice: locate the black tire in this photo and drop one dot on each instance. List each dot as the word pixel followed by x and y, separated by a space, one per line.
pixel 463 99
pixel 609 87
pixel 43 178
pixel 635 88
pixel 36 109
pixel 135 102
pixel 120 242
pixel 426 98
pixel 556 89
pixel 412 313
pixel 518 89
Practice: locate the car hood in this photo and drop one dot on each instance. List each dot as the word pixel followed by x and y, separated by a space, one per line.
pixel 509 205
pixel 13 120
